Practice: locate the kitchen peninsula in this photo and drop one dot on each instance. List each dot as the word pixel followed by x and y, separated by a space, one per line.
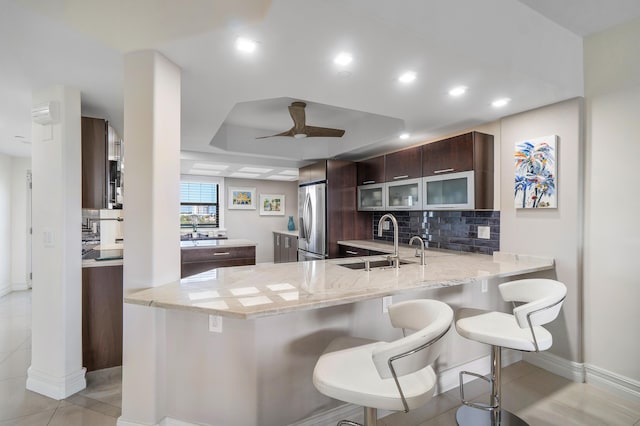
pixel 278 318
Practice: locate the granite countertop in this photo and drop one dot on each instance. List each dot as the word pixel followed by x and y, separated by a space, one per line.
pixel 268 289
pixel 217 243
pixel 103 255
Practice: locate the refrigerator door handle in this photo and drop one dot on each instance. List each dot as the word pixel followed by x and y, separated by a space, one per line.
pixel 303 234
pixel 308 214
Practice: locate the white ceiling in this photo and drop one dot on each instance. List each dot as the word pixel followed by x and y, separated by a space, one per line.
pixel 527 50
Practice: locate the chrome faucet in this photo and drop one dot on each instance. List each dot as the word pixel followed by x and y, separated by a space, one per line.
pixel 415 237
pixel 396 257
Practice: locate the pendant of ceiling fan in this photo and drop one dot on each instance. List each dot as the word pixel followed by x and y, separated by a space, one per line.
pixel 300 130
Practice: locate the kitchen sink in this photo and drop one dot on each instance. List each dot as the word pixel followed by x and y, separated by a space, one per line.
pixel 372 264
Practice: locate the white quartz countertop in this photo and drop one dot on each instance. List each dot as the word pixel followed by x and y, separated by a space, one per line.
pixel 238 242
pixel 286 232
pixel 268 289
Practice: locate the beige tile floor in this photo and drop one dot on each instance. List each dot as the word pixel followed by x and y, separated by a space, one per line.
pixel 536 395
pixel 97 405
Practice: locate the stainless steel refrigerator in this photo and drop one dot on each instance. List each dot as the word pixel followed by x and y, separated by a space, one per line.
pixel 312 213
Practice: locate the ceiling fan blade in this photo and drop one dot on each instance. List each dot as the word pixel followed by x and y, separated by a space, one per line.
pixel 296 110
pixel 287 133
pixel 326 132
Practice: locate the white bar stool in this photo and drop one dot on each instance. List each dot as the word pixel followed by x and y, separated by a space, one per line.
pixel 521 331
pixel 393 376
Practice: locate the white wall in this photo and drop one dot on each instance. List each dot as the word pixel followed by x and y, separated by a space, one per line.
pixel 19 232
pixel 550 232
pixel 250 225
pixel 612 234
pixel 5 224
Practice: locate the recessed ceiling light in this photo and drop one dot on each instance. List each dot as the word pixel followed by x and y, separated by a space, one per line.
pixel 404 136
pixel 407 77
pixel 204 172
pixel 207 166
pixel 343 59
pixel 500 102
pixel 281 177
pixel 254 170
pixel 245 45
pixel 244 175
pixel 291 172
pixel 458 91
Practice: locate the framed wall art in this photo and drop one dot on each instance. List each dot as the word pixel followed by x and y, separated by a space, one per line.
pixel 536 181
pixel 272 204
pixel 242 198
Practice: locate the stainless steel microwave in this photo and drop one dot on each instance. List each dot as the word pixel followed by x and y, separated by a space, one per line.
pixel 451 191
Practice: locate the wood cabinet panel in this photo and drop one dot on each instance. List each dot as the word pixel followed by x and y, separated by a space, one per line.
pixel 405 164
pixel 200 259
pixel 371 170
pixel 315 172
pixel 448 156
pixel 285 248
pixel 101 317
pixel 94 163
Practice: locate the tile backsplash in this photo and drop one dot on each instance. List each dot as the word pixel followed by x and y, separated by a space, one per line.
pixel 451 230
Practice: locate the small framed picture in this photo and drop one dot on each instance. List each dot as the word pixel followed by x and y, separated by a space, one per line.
pixel 242 198
pixel 272 204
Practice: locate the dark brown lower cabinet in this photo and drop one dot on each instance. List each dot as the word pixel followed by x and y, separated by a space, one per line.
pixel 199 259
pixel 101 317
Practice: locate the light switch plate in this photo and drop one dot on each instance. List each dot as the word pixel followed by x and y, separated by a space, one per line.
pixel 484 232
pixel 386 301
pixel 385 225
pixel 215 323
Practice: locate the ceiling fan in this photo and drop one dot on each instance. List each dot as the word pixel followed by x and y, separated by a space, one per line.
pixel 301 130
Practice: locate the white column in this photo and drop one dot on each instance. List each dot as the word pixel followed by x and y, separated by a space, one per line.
pixel 151 225
pixel 56 341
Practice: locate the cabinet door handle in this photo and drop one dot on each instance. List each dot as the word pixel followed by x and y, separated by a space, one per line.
pixel 286 242
pixel 222 253
pixel 443 171
pixel 352 252
pixel 367 182
pixel 401 177
pixel 277 239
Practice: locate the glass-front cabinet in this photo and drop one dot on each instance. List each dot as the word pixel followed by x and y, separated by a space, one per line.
pixel 449 191
pixel 404 194
pixel 371 197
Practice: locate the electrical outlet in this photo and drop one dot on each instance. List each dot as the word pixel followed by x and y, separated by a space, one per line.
pixel 385 225
pixel 215 323
pixel 386 301
pixel 485 286
pixel 484 232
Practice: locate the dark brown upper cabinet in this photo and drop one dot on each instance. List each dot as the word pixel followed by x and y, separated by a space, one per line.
pixel 470 151
pixel 316 172
pixel 94 163
pixel 405 164
pixel 371 171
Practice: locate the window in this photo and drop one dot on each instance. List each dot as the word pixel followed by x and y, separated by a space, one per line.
pixel 199 205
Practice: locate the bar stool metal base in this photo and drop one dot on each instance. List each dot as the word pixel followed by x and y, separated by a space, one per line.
pixel 469 416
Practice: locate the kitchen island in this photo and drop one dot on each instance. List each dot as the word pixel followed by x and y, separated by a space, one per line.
pixel 242 342
pixel 268 289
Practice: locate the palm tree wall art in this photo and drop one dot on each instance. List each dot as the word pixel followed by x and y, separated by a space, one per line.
pixel 536 180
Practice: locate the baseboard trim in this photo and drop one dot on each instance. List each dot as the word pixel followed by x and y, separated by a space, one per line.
pixel 612 382
pixel 56 387
pixel 19 287
pixel 5 290
pixel 167 421
pixel 570 370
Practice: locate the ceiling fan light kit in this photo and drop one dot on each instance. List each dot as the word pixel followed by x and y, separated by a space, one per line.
pixel 300 130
